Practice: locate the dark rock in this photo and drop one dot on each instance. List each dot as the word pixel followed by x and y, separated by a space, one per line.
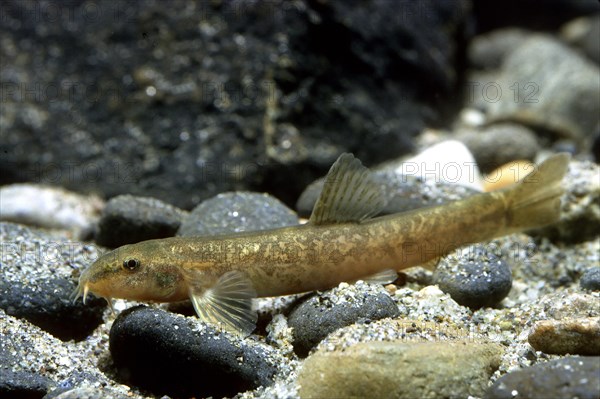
pixel 22 384
pixel 237 212
pixel 569 377
pixel 47 304
pixel 318 315
pixel 128 219
pixel 474 277
pixel 181 103
pixel 529 14
pixel 591 279
pixel 500 144
pixel 38 278
pixel 403 192
pixel 169 354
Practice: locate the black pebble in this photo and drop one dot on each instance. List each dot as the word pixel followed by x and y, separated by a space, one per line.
pixel 569 377
pixel 591 279
pixel 475 278
pixel 47 304
pixel 22 384
pixel 317 316
pixel 236 212
pixel 168 355
pixel 127 219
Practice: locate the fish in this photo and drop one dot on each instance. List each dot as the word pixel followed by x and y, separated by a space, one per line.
pixel 343 241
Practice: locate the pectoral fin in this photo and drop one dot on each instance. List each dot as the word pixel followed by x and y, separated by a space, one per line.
pixel 227 304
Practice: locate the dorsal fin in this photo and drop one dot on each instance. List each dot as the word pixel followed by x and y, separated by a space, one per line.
pixel 349 194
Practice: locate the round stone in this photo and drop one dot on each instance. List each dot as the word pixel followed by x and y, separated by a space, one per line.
pixel 591 279
pixel 475 278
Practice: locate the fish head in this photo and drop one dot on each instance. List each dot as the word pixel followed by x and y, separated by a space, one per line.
pixel 130 272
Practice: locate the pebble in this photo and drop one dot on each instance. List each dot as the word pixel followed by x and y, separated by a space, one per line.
pixel 507 175
pixel 449 161
pixel 38 276
pixel 49 207
pixel 168 354
pixel 487 51
pixel 84 393
pixel 500 144
pixel 235 212
pixel 567 336
pixel 583 33
pixel 569 377
pixel 318 315
pixel 591 279
pixel 22 384
pixel 47 304
pixel 128 219
pixel 474 276
pixel 555 72
pixel 34 358
pixel 399 370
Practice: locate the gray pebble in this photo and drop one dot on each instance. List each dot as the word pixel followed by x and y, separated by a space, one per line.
pixel 22 384
pixel 487 51
pixel 569 377
pixel 546 84
pixel 500 144
pixel 83 393
pixel 583 34
pixel 169 354
pixel 317 316
pixel 476 277
pixel 38 278
pixel 128 219
pixel 591 279
pixel 49 207
pixel 47 304
pixel 236 212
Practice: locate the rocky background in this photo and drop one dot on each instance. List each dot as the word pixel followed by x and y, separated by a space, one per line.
pixel 122 121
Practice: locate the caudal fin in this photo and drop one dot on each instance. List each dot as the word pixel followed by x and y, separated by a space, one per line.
pixel 535 200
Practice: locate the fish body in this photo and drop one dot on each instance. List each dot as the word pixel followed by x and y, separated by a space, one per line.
pixel 342 241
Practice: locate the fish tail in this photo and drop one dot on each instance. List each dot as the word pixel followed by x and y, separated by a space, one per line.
pixel 535 200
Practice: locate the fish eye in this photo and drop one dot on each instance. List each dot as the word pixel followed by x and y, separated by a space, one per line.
pixel 131 264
